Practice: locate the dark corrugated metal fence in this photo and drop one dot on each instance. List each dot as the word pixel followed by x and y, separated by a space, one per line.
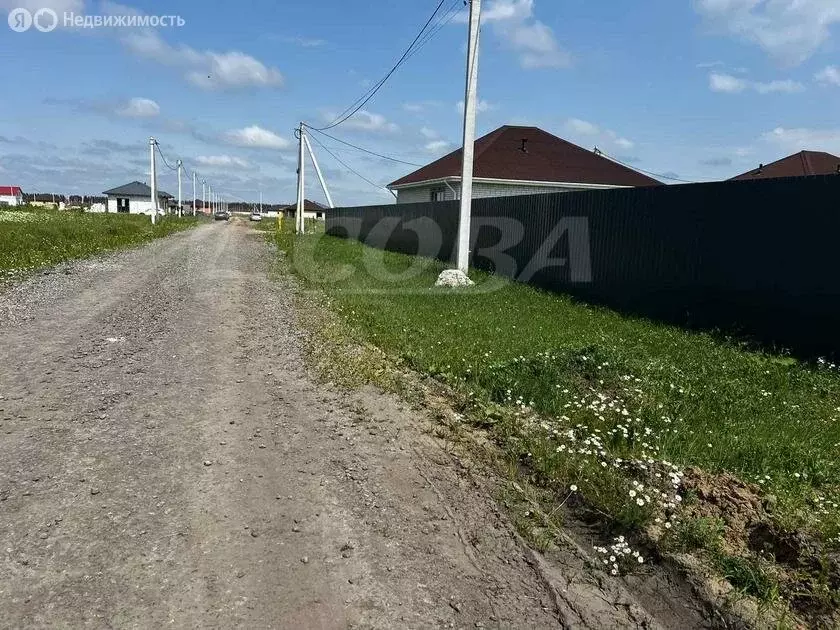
pixel 760 256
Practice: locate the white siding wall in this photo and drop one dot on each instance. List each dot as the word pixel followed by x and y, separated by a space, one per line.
pixel 10 200
pixel 136 205
pixel 480 190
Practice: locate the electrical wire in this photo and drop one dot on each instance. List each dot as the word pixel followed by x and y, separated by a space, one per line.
pixel 641 170
pixel 363 150
pixel 367 96
pixel 446 19
pixel 169 166
pixel 345 165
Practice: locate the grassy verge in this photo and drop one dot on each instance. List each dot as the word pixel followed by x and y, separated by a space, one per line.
pixel 30 239
pixel 664 435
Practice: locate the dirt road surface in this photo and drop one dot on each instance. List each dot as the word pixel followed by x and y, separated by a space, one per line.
pixel 166 460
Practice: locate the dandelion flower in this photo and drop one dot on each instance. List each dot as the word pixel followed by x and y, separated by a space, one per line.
pixel 573 488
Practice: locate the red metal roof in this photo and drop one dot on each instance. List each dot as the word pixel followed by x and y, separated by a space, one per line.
pixel 545 158
pixel 10 191
pixel 799 164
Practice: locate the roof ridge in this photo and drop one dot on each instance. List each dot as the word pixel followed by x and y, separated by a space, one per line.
pixel 806 163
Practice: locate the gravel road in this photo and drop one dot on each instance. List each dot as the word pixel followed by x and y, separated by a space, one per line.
pixel 165 459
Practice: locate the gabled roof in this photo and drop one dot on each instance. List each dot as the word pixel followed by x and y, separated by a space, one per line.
pixel 10 191
pixel 531 154
pixel 308 206
pixel 135 189
pixel 799 164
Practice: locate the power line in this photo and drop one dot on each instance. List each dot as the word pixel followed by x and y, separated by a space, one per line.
pixel 363 150
pixel 641 170
pixel 345 165
pixel 170 167
pixel 365 98
pixel 446 19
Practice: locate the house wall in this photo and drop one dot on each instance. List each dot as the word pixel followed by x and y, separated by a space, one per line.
pixel 136 205
pixel 423 194
pixel 10 200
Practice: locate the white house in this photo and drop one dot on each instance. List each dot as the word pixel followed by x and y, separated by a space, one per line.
pixel 311 210
pixel 135 198
pixel 11 196
pixel 518 161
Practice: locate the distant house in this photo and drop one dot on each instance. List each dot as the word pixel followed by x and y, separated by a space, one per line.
pixel 518 161
pixel 135 198
pixel 311 210
pixel 800 164
pixel 11 196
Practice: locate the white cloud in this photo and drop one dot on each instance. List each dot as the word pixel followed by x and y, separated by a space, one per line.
pixel 233 70
pixel 586 131
pixel 256 137
pixel 785 87
pixel 582 127
pixel 222 160
pixel 790 31
pixel 429 134
pixel 480 107
pixel 535 43
pixel 138 108
pixel 794 140
pixel 829 75
pixel 208 70
pixel 420 107
pixel 726 83
pixel 436 146
pixel 305 42
pixel 363 120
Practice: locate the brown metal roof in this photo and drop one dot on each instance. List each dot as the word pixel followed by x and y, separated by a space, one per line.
pixel 797 165
pixel 545 158
pixel 308 206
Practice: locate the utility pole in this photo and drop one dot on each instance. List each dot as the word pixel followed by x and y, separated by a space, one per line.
pixel 152 143
pixel 203 194
pixel 194 182
pixel 318 172
pixel 463 248
pixel 260 202
pixel 299 223
pixel 180 214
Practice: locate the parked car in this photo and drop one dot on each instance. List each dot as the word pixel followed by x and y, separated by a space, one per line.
pixel 221 215
pixel 256 216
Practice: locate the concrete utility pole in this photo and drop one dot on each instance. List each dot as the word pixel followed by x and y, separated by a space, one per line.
pixel 153 176
pixel 203 194
pixel 194 182
pixel 318 172
pixel 469 138
pixel 179 189
pixel 299 223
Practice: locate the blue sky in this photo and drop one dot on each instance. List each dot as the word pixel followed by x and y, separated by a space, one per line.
pixel 697 89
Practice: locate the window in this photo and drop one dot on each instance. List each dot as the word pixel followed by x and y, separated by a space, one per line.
pixel 438 194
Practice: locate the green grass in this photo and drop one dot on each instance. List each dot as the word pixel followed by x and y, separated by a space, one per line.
pixel 588 397
pixel 30 239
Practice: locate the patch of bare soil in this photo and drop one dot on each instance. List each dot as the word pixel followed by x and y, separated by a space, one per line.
pixel 808 576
